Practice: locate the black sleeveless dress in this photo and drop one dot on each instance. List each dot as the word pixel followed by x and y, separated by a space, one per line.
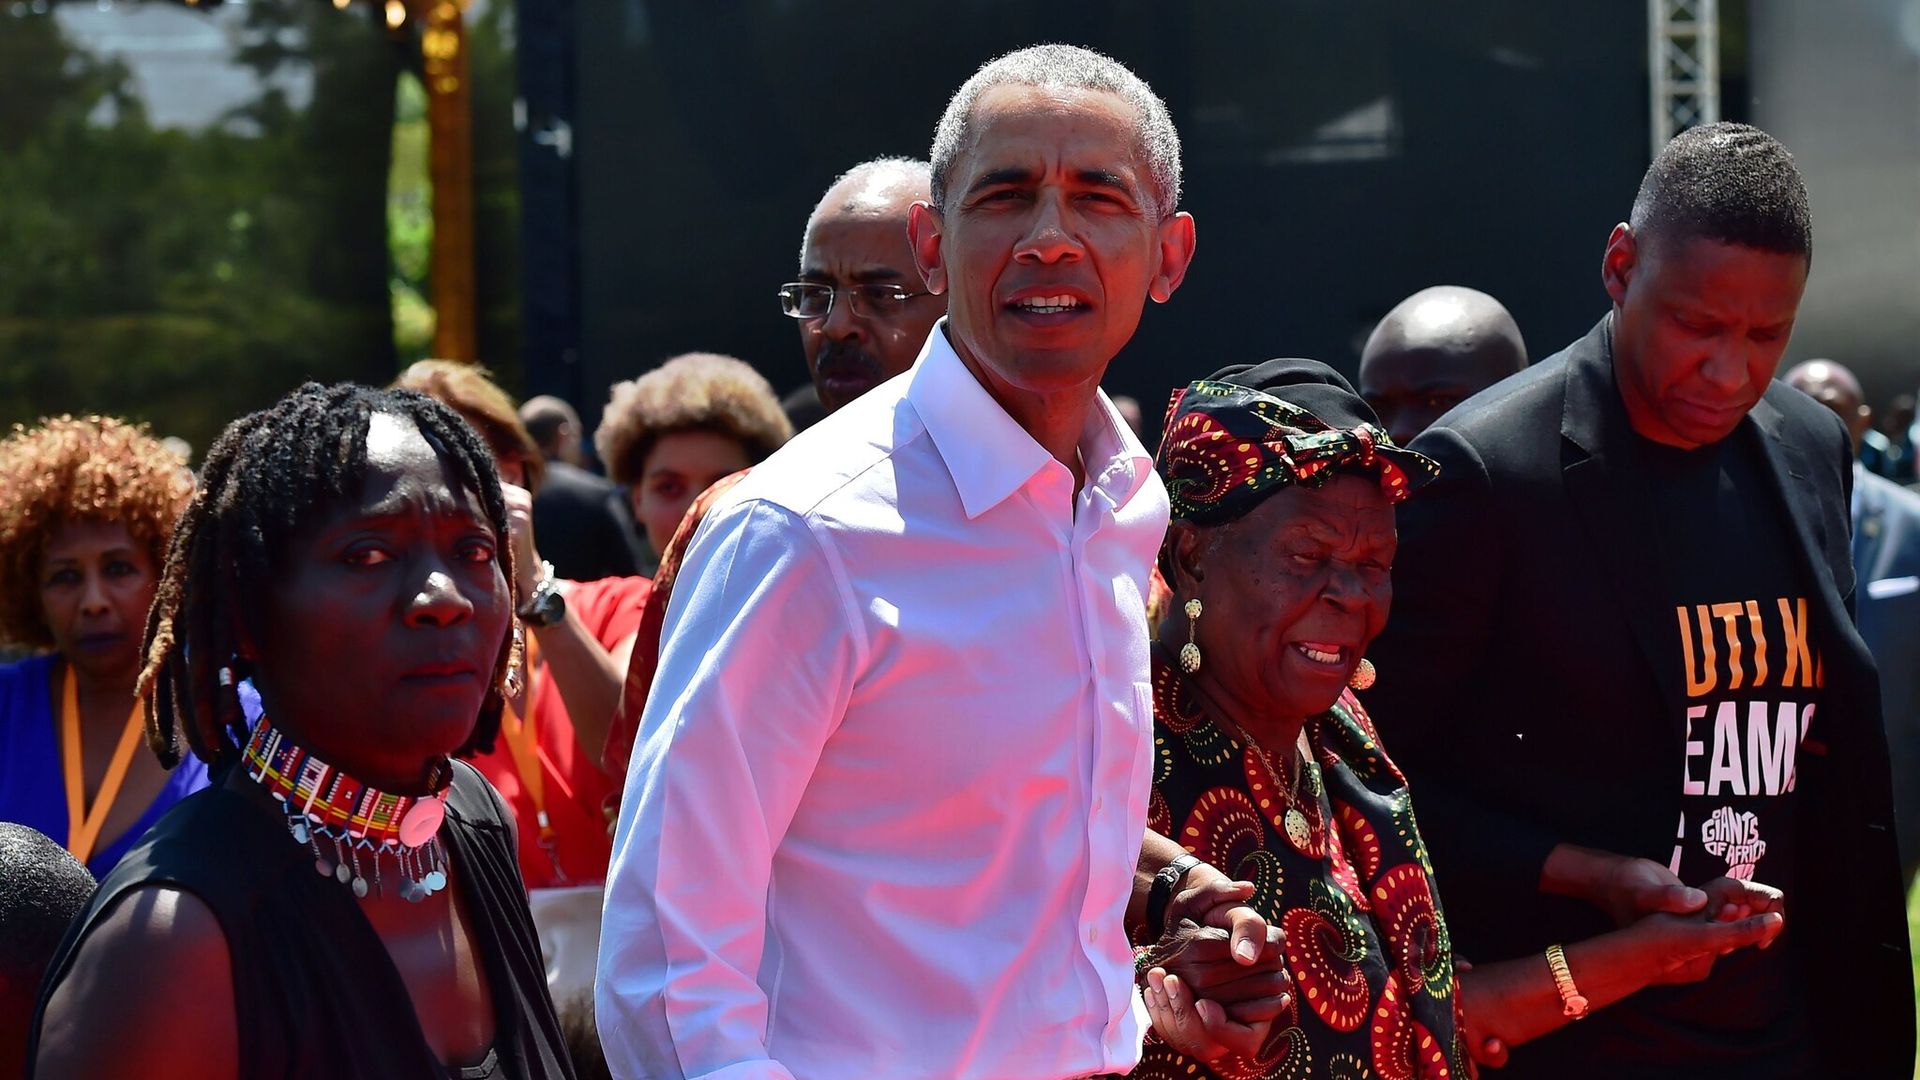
pixel 315 994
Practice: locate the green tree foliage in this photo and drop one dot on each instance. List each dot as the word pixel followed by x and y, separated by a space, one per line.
pixel 186 276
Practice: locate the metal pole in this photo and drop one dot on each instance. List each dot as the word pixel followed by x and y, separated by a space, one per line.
pixel 443 48
pixel 1683 66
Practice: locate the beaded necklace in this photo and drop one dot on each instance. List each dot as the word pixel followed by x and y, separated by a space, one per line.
pixel 358 822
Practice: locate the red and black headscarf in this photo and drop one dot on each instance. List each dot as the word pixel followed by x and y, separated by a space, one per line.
pixel 1251 429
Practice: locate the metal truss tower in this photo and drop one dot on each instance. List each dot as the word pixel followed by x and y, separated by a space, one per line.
pixel 1683 63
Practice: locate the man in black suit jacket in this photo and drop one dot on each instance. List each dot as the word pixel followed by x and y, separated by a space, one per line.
pixel 1621 670
pixel 1886 566
pixel 585 527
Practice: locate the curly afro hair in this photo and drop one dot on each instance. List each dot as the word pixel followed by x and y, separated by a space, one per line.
pixel 68 469
pixel 692 392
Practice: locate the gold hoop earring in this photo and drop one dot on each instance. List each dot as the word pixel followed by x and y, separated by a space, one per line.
pixel 1190 652
pixel 513 680
pixel 1363 675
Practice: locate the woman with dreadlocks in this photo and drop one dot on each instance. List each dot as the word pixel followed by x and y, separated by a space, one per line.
pixel 579 635
pixel 86 508
pixel 344 900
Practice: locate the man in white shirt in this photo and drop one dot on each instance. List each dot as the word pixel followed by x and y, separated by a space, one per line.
pixel 886 811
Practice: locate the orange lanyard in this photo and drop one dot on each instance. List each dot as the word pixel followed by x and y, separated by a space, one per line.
pixel 523 742
pixel 83 822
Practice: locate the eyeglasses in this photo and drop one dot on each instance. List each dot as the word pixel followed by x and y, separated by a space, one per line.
pixel 873 300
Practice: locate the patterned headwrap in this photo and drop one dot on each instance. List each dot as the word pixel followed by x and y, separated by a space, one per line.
pixel 1238 437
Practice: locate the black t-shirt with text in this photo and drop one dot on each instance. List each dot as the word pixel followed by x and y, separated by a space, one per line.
pixel 1742 636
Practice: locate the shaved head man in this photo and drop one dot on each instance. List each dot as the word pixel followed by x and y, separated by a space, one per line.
pixel 1595 610
pixel 1886 566
pixel 1438 348
pixel 1834 386
pixel 862 308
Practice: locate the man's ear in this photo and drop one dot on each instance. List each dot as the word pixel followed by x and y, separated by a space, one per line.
pixel 1176 237
pixel 1622 258
pixel 924 227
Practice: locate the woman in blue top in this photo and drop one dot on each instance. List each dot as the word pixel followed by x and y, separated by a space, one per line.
pixel 86 510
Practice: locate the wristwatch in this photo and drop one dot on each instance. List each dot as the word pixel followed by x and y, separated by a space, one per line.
pixel 545 606
pixel 1573 1004
pixel 1164 882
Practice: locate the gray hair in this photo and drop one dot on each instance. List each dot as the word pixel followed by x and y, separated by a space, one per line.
pixel 873 178
pixel 1064 67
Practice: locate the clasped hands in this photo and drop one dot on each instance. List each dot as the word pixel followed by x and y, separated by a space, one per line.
pixel 1669 932
pixel 1217 979
pixel 1684 929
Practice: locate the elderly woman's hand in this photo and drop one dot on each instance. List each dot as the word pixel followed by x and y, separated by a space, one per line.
pixel 1199 1027
pixel 1180 1020
pixel 1218 1005
pixel 1682 949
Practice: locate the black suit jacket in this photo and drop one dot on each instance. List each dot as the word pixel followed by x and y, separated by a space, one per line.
pixel 579 527
pixel 1886 561
pixel 1528 680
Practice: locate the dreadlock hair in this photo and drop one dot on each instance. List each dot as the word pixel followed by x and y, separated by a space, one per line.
pixel 268 475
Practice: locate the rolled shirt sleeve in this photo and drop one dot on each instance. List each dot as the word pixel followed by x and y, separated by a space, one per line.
pixel 761 644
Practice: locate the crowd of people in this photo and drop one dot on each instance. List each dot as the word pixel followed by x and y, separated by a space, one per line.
pixel 960 735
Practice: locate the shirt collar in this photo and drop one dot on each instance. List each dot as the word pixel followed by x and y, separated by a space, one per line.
pixel 989 455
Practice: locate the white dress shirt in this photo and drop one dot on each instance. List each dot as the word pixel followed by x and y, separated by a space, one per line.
pixel 891 781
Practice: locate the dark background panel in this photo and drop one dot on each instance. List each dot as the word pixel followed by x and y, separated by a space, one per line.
pixel 1338 156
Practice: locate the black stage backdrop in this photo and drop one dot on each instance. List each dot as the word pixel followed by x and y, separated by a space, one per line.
pixel 1338 157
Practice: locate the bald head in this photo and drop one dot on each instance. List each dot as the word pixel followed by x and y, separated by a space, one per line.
pixel 1434 350
pixel 1834 386
pixel 857 235
pixel 882 188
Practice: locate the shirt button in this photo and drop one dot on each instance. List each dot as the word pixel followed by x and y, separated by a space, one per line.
pixel 1093 935
pixel 1098 802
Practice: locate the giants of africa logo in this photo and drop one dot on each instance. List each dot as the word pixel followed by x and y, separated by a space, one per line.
pixel 1734 836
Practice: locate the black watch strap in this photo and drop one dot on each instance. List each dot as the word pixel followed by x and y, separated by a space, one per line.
pixel 546 606
pixel 1164 882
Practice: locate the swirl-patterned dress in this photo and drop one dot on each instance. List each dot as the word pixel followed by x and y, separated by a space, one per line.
pixel 1366 942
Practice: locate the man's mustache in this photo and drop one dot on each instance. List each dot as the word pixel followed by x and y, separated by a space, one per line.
pixel 836 360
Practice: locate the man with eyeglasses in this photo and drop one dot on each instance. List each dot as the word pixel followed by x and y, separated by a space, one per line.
pixel 886 815
pixel 863 313
pixel 862 308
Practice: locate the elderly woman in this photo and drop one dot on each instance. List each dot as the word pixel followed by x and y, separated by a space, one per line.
pixel 344 900
pixel 669 434
pixel 1279 559
pixel 86 509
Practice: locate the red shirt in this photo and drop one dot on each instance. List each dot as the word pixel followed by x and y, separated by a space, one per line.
pixel 576 791
pixel 646 647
